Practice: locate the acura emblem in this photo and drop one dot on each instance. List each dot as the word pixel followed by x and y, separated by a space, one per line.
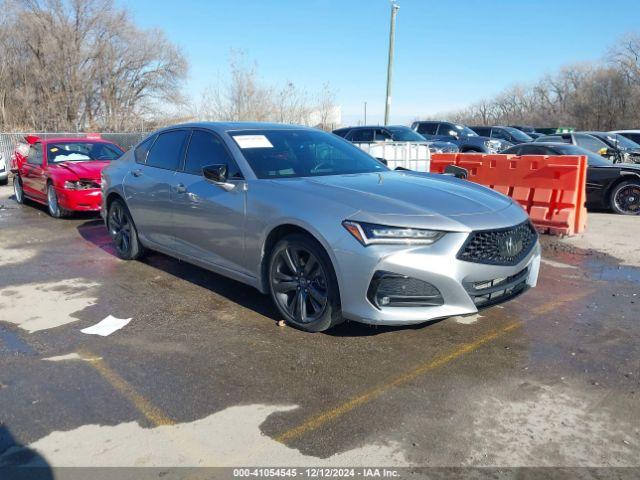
pixel 511 246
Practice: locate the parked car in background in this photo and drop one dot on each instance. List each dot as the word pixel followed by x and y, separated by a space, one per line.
pixel 595 142
pixel 508 134
pixel 612 186
pixel 4 170
pixel 466 139
pixel 64 173
pixel 633 135
pixel 328 231
pixel 531 131
pixel 392 133
pixel 619 146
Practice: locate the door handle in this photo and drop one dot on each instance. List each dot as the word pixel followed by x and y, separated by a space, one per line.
pixel 180 188
pixel 136 173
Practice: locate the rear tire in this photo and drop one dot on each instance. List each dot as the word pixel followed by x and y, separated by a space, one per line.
pixel 303 284
pixel 17 189
pixel 625 198
pixel 123 231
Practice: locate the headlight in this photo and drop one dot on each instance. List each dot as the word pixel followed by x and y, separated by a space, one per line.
pixel 80 184
pixel 370 233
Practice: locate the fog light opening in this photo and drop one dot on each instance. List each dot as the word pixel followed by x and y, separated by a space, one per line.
pixel 394 290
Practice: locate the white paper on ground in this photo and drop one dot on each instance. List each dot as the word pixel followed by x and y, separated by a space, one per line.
pixel 107 326
pixel 252 141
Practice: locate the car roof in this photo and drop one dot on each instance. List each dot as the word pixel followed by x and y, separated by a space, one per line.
pixel 624 131
pixel 73 139
pixel 221 127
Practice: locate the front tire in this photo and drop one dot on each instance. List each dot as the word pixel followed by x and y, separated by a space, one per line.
pixel 55 210
pixel 303 284
pixel 123 231
pixel 625 198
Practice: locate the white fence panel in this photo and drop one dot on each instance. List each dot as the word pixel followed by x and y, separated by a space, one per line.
pixel 410 155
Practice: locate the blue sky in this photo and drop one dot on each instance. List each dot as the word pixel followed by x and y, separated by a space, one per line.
pixel 448 53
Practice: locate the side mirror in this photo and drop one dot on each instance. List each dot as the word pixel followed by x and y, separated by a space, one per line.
pixel 382 160
pixel 456 171
pixel 215 173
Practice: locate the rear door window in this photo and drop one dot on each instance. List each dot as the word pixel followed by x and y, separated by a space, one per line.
pixel 168 150
pixel 142 150
pixel 382 134
pixel 500 134
pixel 482 131
pixel 428 128
pixel 362 135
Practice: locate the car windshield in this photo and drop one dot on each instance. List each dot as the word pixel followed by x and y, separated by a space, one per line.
pixel 593 159
pixel 82 152
pixel 518 135
pixel 302 153
pixel 405 134
pixel 466 131
pixel 622 142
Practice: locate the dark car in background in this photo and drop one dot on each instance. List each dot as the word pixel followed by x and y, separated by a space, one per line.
pixel 594 142
pixel 466 139
pixel 633 135
pixel 392 133
pixel 509 134
pixel 531 131
pixel 626 150
pixel 615 186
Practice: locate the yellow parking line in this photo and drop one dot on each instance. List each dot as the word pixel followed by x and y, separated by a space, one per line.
pixel 150 411
pixel 316 421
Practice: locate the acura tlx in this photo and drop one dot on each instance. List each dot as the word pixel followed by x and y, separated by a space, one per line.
pixel 325 229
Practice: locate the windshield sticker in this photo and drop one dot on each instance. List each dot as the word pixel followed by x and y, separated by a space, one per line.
pixel 252 141
pixel 54 150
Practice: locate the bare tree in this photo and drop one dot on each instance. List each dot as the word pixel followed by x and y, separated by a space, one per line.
pixel 76 64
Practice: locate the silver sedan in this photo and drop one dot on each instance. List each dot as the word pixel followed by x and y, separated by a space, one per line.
pixel 325 229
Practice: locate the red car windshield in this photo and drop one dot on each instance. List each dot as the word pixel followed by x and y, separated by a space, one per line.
pixel 82 152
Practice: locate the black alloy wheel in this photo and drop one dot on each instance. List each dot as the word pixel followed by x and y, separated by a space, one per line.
pixel 303 284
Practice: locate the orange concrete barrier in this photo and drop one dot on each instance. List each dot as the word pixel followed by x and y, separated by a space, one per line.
pixel 552 189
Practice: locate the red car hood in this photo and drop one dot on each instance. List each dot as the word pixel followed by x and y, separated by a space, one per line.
pixel 89 170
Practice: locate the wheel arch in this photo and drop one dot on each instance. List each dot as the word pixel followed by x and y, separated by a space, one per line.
pixel 275 234
pixel 624 177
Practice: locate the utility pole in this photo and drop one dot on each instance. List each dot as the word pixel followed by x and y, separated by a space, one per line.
pixel 392 36
pixel 365 113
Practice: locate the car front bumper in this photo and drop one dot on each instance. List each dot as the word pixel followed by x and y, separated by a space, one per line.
pixel 437 265
pixel 80 200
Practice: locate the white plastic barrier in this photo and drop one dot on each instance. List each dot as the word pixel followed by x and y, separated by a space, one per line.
pixel 410 155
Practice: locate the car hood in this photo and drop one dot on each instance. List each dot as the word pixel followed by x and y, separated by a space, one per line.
pixel 409 198
pixel 83 170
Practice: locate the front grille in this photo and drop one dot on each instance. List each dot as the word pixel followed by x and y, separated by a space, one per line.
pixel 505 246
pixel 498 290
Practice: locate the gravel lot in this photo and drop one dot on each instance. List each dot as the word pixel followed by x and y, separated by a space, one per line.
pixel 203 376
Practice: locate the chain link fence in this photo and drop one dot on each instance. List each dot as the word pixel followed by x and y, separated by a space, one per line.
pixel 8 141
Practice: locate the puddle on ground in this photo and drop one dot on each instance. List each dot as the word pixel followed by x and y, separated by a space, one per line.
pixel 40 306
pixel 227 438
pixel 616 273
pixel 12 343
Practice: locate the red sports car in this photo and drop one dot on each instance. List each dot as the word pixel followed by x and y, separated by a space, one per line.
pixel 64 173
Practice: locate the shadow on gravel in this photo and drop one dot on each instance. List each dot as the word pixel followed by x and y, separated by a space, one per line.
pixel 95 232
pixel 18 462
